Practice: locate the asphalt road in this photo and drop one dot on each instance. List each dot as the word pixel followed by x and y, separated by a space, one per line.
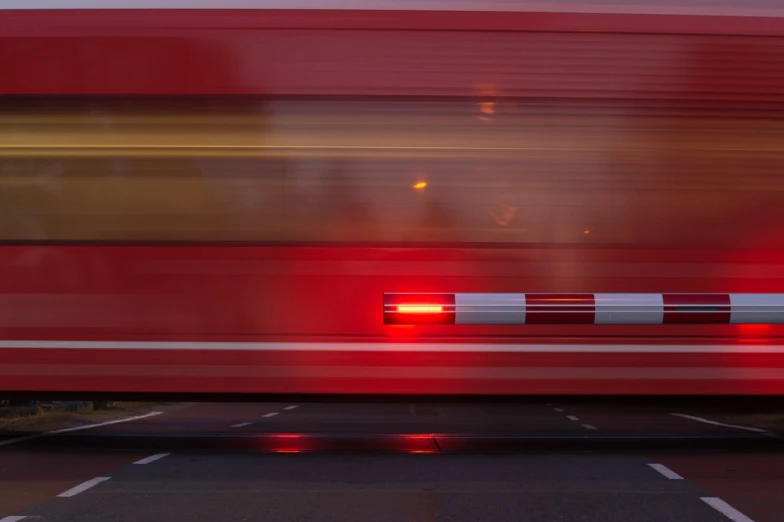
pixel 396 462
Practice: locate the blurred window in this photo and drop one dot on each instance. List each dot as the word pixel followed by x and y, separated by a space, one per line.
pixel 177 170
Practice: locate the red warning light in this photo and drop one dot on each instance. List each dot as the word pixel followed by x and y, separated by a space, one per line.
pixel 414 309
pixel 420 309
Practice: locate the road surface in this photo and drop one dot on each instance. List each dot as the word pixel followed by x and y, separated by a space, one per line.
pixel 536 461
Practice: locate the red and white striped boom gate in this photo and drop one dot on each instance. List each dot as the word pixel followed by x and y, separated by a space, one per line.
pixel 497 309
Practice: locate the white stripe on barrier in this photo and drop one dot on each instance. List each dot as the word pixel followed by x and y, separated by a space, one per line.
pixel 757 308
pixel 490 308
pixel 629 308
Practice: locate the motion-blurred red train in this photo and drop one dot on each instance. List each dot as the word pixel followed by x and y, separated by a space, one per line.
pixel 384 197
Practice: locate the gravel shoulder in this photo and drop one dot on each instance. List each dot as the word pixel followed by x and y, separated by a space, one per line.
pixel 53 420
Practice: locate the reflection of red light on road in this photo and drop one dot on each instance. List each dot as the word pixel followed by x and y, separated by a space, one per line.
pixel 418 443
pixel 288 443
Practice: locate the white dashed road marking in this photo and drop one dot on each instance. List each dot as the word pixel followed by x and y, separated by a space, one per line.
pixel 84 486
pixel 271 414
pixel 572 418
pixel 152 458
pixel 242 424
pixel 725 509
pixel 559 410
pixel 12 519
pixel 667 472
pixel 589 427
pixel 290 407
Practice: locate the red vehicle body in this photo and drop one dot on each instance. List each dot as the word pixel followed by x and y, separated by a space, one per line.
pixel 164 231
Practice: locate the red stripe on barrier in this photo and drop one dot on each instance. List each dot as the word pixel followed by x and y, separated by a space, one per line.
pixel 560 308
pixel 696 308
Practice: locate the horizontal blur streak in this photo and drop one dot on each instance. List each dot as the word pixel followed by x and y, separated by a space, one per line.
pixel 332 368
pixel 703 7
pixel 344 171
pixel 378 372
pixel 297 53
pixel 226 129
